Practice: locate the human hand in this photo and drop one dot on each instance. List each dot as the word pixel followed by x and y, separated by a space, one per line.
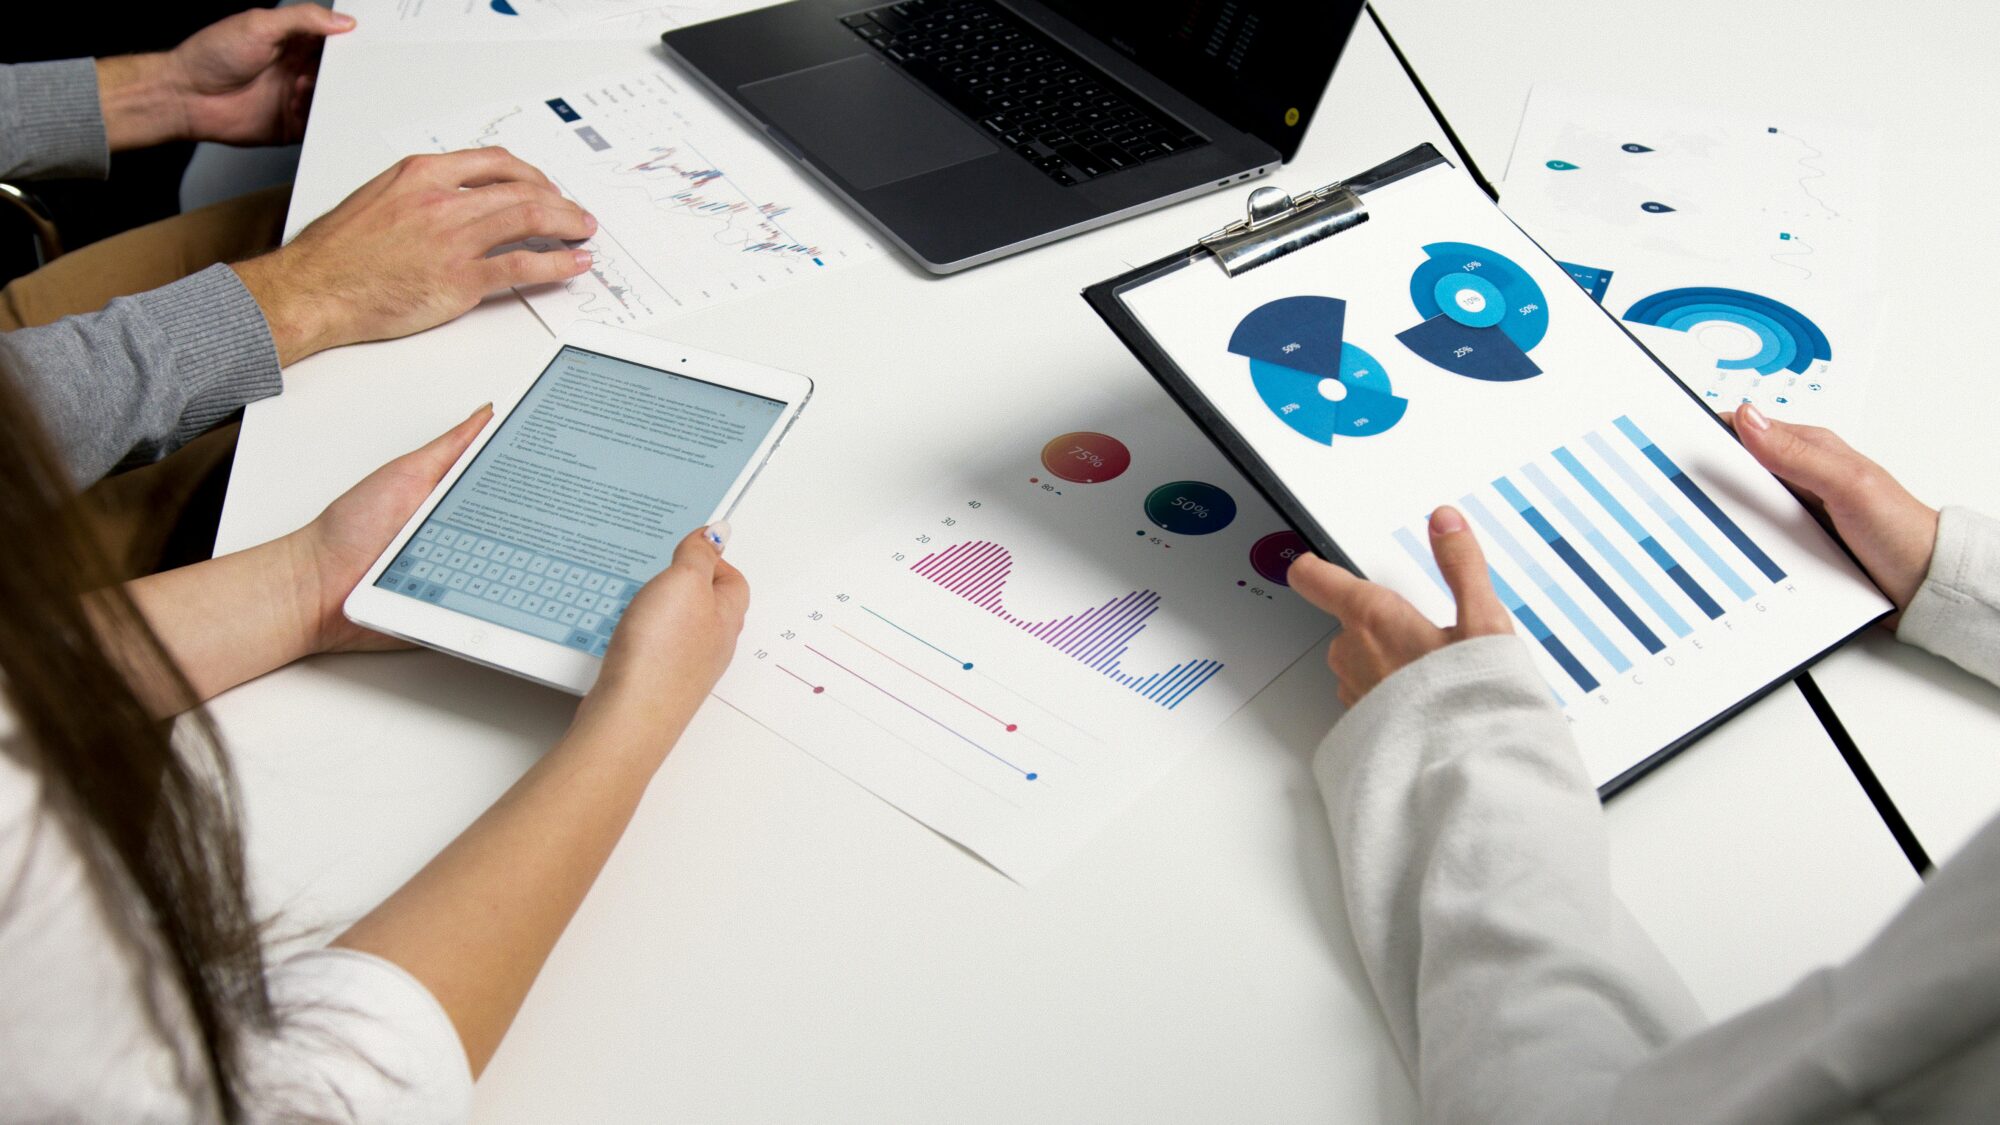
pixel 675 639
pixel 1380 631
pixel 409 250
pixel 1890 531
pixel 245 80
pixel 332 554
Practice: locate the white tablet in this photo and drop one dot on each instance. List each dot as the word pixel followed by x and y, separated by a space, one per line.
pixel 527 552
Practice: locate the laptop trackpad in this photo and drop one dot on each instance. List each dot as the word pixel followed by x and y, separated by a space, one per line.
pixel 866 122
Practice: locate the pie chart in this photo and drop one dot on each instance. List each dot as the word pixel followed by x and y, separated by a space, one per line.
pixel 1482 313
pixel 1310 377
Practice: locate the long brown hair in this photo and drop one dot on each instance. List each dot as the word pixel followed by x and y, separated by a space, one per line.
pixel 154 812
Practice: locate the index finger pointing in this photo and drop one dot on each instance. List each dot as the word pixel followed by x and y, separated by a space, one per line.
pixel 1328 587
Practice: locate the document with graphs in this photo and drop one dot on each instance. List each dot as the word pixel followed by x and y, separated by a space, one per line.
pixel 1426 352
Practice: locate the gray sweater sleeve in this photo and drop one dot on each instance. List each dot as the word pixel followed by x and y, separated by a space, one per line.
pixel 50 121
pixel 1473 859
pixel 146 374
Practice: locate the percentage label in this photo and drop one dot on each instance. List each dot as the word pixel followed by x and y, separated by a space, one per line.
pixel 1086 457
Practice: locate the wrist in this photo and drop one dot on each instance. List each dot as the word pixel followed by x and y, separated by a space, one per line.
pixel 142 103
pixel 642 722
pixel 299 326
pixel 295 592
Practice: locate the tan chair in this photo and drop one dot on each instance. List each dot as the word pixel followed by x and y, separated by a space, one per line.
pixel 48 241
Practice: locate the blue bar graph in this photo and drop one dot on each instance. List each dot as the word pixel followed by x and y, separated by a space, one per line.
pixel 1498 533
pixel 1672 518
pixel 1601 594
pixel 1700 500
pixel 1560 500
pixel 1528 618
pixel 1666 562
pixel 1575 561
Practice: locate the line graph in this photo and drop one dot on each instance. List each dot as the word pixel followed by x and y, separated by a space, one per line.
pixel 690 210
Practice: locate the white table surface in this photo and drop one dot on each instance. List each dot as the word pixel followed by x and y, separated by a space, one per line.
pixel 771 942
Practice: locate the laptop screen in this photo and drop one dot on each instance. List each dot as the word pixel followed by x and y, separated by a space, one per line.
pixel 1261 65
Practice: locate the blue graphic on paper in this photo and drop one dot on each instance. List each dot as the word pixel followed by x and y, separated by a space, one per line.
pixel 1482 313
pixel 1315 382
pixel 1593 279
pixel 1655 208
pixel 1635 148
pixel 1787 338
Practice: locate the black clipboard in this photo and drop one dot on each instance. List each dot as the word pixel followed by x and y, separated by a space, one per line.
pixel 1276 225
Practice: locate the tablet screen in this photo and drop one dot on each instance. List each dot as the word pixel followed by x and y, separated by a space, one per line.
pixel 581 497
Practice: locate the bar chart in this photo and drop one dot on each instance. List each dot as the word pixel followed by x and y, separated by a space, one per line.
pixel 1097 638
pixel 1607 551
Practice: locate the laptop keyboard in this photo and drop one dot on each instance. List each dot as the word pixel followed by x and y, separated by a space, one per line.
pixel 1058 112
pixel 537 593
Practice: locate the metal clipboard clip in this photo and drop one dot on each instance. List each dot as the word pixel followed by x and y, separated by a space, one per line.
pixel 1278 224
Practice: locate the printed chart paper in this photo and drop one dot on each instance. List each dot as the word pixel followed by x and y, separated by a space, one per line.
pixel 691 209
pixel 525 20
pixel 1014 658
pixel 1739 249
pixel 1432 355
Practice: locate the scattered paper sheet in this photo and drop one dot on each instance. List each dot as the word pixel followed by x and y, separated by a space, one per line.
pixel 1740 249
pixel 691 208
pixel 1013 658
pixel 500 20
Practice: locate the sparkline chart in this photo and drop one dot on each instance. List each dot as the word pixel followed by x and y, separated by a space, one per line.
pixel 689 211
pixel 1015 658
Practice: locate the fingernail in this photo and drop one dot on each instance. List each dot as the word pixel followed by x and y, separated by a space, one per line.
pixel 582 258
pixel 718 534
pixel 591 219
pixel 1447 521
pixel 1753 417
pixel 484 408
pixel 342 20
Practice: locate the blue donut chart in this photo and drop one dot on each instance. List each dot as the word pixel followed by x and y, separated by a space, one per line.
pixel 1309 377
pixel 1482 313
pixel 1788 339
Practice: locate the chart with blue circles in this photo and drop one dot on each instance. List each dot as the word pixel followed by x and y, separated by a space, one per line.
pixel 1310 376
pixel 1482 313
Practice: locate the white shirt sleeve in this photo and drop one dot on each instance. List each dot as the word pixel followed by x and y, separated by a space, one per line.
pixel 359 1040
pixel 1956 612
pixel 1474 862
pixel 1473 858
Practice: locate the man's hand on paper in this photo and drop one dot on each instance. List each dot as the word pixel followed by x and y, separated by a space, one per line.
pixel 1891 532
pixel 413 248
pixel 1381 632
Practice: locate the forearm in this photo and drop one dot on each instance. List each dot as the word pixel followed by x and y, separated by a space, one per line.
pixel 1474 863
pixel 476 924
pixel 142 103
pixel 228 620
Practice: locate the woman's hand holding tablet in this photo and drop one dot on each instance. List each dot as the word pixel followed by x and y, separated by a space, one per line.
pixel 527 555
